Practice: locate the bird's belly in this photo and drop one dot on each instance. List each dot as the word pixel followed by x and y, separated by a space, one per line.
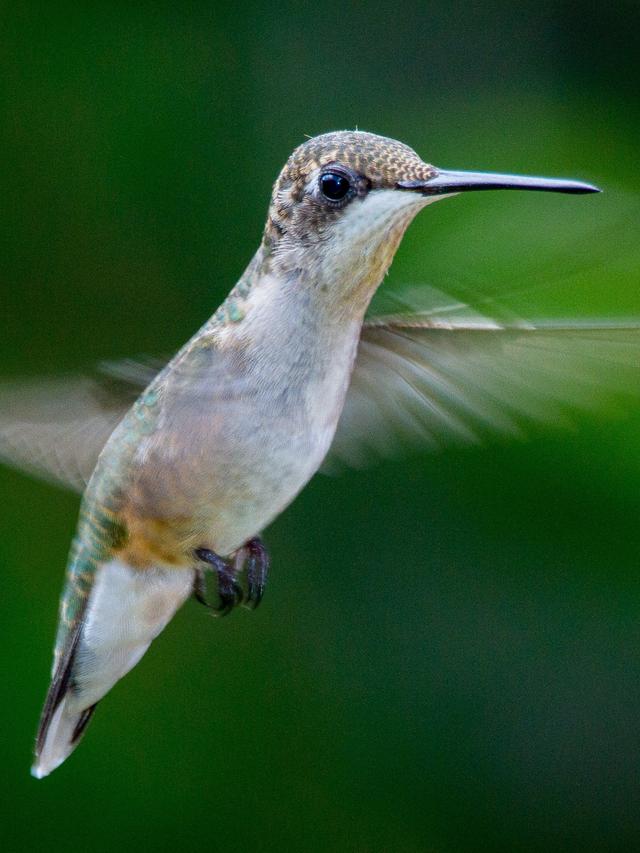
pixel 219 488
pixel 265 483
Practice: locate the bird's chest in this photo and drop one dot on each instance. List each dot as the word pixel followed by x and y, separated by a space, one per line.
pixel 228 457
pixel 262 464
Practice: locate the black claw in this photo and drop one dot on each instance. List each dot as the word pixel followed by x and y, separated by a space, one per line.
pixel 230 593
pixel 257 571
pixel 229 590
pixel 200 588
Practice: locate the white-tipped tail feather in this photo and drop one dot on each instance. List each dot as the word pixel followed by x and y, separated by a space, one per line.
pixel 126 611
pixel 59 741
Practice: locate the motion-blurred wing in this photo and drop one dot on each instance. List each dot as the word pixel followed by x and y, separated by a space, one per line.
pixel 55 429
pixel 450 376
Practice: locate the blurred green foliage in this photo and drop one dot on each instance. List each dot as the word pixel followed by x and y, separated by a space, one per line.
pixel 448 656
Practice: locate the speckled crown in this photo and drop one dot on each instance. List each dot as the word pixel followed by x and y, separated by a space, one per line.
pixel 382 160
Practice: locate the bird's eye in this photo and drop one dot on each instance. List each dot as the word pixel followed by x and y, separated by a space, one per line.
pixel 334 186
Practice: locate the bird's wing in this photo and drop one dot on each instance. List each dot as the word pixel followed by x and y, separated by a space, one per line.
pixel 55 428
pixel 449 375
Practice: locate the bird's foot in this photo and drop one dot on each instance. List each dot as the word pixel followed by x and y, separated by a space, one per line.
pixel 229 590
pixel 253 556
pixel 257 560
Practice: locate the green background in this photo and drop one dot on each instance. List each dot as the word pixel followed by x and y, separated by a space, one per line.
pixel 448 655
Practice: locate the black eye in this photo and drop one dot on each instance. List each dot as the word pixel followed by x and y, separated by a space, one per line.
pixel 334 186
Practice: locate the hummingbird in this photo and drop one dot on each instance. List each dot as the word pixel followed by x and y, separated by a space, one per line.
pixel 183 466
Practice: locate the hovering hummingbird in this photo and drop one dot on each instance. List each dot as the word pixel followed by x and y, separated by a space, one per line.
pixel 183 471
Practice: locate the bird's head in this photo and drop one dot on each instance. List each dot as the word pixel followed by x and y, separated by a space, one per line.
pixel 343 201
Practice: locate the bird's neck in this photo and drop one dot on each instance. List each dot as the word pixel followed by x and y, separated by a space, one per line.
pixel 304 287
pixel 279 326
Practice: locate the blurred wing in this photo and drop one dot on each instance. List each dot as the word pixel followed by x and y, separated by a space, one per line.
pixel 452 376
pixel 55 429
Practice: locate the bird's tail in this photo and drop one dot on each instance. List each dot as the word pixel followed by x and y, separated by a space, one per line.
pixel 60 737
pixel 127 608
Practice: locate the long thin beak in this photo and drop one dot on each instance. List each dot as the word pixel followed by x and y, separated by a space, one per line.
pixel 444 182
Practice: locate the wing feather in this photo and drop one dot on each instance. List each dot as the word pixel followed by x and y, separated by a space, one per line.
pixel 450 376
pixel 55 429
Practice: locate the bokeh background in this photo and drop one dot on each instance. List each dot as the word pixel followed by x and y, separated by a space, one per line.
pixel 448 655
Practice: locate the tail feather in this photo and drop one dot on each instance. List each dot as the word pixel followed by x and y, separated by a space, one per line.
pixel 60 736
pixel 126 610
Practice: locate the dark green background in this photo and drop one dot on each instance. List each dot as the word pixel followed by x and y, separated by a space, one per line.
pixel 448 656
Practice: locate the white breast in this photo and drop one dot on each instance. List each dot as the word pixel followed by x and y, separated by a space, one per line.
pixel 300 375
